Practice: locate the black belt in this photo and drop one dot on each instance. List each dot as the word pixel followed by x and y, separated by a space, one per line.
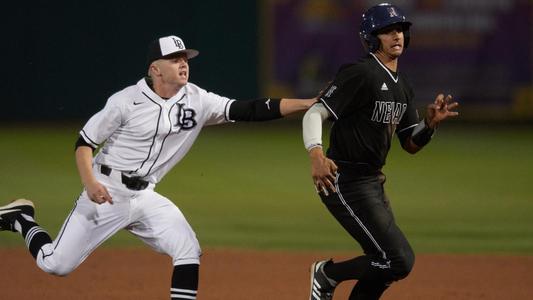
pixel 132 183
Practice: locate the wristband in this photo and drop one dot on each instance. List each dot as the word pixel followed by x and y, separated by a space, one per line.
pixel 422 134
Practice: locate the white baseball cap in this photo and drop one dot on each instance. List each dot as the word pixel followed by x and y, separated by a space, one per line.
pixel 166 46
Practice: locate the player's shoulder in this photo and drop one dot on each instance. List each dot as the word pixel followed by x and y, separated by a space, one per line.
pixel 124 96
pixel 358 69
pixel 193 89
pixel 203 94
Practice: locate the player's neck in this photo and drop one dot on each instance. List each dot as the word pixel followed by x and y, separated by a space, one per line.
pixel 166 91
pixel 389 61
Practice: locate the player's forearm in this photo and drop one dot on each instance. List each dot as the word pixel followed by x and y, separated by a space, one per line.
pixel 289 106
pixel 84 162
pixel 419 137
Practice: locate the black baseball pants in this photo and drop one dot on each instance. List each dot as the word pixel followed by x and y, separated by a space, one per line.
pixel 361 207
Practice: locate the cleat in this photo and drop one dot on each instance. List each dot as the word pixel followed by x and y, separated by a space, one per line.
pixel 10 212
pixel 322 287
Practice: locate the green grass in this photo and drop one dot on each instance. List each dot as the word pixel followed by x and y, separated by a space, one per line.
pixel 248 185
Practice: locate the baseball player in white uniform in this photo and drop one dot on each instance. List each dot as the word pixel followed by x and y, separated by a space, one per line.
pixel 142 132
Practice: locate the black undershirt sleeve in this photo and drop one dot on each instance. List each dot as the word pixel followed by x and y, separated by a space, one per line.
pixel 82 142
pixel 255 110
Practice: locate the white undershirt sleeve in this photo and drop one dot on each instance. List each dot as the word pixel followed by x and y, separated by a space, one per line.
pixel 312 125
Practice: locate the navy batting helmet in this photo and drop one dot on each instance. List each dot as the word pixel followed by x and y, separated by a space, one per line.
pixel 378 17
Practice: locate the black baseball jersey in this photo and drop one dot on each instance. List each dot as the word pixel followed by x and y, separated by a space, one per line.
pixel 368 104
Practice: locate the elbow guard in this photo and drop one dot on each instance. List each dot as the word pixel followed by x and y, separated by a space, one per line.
pixel 422 134
pixel 255 110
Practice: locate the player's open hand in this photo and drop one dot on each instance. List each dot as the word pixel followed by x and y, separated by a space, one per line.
pixel 98 193
pixel 441 109
pixel 323 171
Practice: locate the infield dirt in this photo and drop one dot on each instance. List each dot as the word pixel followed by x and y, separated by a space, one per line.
pixel 247 274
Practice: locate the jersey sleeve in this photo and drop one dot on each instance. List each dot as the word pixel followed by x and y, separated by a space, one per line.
pixel 340 96
pixel 101 125
pixel 216 108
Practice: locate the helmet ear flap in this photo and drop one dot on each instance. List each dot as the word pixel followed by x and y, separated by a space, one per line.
pixel 406 38
pixel 370 42
pixel 374 43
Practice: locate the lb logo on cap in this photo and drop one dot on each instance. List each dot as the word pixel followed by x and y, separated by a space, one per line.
pixel 166 46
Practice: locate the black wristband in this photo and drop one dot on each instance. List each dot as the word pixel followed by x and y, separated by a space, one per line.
pixel 422 134
pixel 255 110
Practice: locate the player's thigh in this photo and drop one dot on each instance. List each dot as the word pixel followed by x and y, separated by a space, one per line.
pixel 85 228
pixel 161 225
pixel 361 207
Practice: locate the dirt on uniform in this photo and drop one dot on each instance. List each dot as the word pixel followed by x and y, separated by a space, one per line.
pixel 255 275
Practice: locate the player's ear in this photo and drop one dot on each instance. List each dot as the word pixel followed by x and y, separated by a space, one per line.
pixel 154 70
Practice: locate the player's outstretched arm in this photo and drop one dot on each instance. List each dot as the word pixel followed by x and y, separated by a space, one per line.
pixel 289 106
pixel 267 109
pixel 436 112
pixel 95 190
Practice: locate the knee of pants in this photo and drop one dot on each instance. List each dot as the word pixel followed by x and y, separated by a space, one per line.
pixel 186 253
pixel 402 264
pixel 55 265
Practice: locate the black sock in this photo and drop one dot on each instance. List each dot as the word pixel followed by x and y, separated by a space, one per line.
pixel 368 290
pixel 184 282
pixel 354 268
pixel 34 235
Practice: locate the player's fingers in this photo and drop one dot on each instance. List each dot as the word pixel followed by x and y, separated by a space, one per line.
pixel 319 187
pixel 323 186
pixel 94 196
pixel 453 113
pixel 330 186
pixel 98 199
pixel 316 188
pixel 333 167
pixel 453 105
pixel 325 191
pixel 439 99
pixel 448 99
pixel 433 106
pixel 107 197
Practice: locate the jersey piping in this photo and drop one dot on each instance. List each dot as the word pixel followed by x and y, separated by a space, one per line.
pixel 164 139
pixel 226 111
pixel 354 216
pixel 386 69
pixel 155 134
pixel 87 139
pixel 329 108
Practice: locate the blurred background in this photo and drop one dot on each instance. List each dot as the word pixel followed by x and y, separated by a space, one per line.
pixel 248 185
pixel 63 59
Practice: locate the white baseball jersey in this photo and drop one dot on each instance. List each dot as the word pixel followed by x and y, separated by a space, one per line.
pixel 147 135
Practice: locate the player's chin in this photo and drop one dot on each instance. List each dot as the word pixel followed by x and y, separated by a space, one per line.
pixel 396 53
pixel 396 50
pixel 183 80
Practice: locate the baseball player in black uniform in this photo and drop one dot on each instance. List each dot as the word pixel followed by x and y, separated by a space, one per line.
pixel 368 101
pixel 143 131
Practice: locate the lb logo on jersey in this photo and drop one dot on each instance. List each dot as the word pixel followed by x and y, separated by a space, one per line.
pixel 388 112
pixel 186 117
